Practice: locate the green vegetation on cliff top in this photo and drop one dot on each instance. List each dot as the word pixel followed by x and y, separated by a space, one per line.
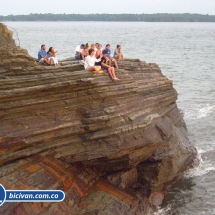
pixel 159 17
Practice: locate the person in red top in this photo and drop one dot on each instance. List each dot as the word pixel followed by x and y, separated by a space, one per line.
pixel 105 66
pixel 99 51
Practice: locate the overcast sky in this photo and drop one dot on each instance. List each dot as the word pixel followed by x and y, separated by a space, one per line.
pixel 15 7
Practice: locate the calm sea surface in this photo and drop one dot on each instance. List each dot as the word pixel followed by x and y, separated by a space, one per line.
pixel 186 54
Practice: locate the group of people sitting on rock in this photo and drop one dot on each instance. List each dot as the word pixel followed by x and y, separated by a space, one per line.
pixel 49 57
pixel 97 60
pixel 92 56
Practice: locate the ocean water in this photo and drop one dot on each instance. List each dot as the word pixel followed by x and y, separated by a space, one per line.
pixel 186 54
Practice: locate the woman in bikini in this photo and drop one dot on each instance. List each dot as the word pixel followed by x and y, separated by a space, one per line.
pixel 51 54
pixel 118 53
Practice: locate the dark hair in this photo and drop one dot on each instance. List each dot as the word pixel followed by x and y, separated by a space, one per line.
pixel 42 45
pixel 50 49
pixel 87 45
pixel 104 52
pixel 90 51
pixel 117 46
pixel 107 45
pixel 97 43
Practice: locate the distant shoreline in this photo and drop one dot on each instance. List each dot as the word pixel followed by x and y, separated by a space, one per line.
pixel 159 17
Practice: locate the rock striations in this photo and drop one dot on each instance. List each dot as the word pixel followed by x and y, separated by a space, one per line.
pixel 114 148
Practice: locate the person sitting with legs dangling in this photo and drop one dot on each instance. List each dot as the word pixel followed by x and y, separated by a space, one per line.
pixel 110 58
pixel 106 67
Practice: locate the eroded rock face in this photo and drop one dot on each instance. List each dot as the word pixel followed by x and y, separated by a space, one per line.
pixel 110 146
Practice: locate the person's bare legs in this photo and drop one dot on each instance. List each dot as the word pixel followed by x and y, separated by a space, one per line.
pixel 122 56
pixel 47 61
pixel 95 69
pixel 109 62
pixel 117 57
pixel 113 74
pixel 116 64
pixel 110 73
pixel 56 61
pixel 51 61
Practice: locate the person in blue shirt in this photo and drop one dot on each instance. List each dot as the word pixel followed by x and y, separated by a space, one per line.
pixel 110 59
pixel 42 55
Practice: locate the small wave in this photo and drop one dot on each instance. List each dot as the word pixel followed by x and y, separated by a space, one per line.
pixel 197 111
pixel 203 112
pixel 162 211
pixel 203 168
pixel 189 115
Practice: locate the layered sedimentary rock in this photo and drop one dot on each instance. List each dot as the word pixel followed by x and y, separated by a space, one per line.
pixel 112 147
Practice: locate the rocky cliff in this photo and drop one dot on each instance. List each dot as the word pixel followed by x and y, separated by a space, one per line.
pixel 114 148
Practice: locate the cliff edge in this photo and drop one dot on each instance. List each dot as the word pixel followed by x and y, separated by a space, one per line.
pixel 114 148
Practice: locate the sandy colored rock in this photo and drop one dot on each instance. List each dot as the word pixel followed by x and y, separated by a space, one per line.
pixel 108 145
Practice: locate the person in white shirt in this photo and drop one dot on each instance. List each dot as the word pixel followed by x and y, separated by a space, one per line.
pixel 78 51
pixel 90 61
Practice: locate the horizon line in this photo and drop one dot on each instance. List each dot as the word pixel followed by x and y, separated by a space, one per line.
pixel 109 14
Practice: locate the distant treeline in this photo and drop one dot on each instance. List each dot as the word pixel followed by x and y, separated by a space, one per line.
pixel 159 17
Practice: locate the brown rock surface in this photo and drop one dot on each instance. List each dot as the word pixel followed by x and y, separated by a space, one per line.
pixel 108 145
